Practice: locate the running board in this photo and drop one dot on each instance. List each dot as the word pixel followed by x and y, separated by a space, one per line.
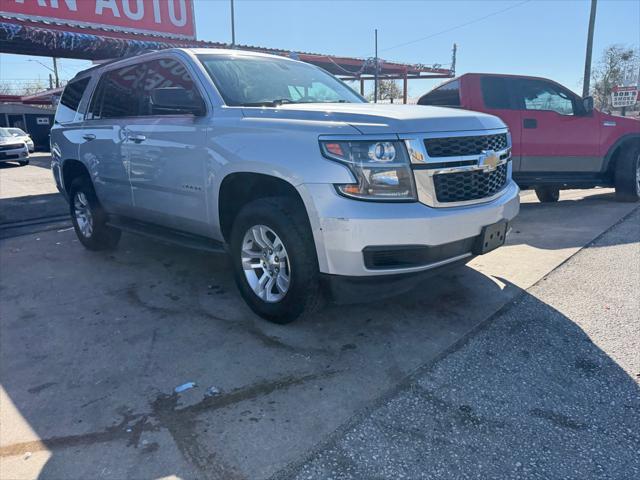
pixel 176 237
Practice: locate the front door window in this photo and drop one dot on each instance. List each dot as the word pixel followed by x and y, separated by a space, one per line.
pixel 539 95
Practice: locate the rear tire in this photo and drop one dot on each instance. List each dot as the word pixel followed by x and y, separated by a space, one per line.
pixel 548 194
pixel 288 232
pixel 627 174
pixel 24 163
pixel 89 219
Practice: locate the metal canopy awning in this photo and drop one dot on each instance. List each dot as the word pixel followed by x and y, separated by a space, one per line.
pixel 48 39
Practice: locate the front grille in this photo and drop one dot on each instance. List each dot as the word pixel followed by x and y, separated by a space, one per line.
pixel 12 146
pixel 469 185
pixel 458 146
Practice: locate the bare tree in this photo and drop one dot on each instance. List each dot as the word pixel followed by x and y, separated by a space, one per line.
pixel 616 63
pixel 387 90
pixel 22 88
pixel 5 88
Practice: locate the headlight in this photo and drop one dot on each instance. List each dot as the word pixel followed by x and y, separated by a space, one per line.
pixel 381 169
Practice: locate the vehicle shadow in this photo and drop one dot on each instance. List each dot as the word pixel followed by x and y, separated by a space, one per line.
pixel 41 160
pixel 569 223
pixel 90 362
pixel 531 396
pixel 9 165
pixel 26 208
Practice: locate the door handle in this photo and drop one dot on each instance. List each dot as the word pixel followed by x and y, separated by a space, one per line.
pixel 89 136
pixel 530 123
pixel 137 138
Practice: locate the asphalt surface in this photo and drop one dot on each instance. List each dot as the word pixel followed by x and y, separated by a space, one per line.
pixel 93 344
pixel 548 389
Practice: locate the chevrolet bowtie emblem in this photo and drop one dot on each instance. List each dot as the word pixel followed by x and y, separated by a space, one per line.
pixel 488 159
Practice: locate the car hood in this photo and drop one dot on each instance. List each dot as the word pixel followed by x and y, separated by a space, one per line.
pixel 371 118
pixel 6 140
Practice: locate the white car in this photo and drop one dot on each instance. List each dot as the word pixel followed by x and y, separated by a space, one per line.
pixel 306 185
pixel 12 149
pixel 23 136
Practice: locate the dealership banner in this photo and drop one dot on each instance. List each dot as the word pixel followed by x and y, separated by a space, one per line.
pixel 166 18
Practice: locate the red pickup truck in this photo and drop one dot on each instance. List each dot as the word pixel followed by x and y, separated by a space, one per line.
pixel 559 139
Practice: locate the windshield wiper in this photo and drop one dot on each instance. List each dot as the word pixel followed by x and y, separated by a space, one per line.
pixel 281 101
pixel 268 103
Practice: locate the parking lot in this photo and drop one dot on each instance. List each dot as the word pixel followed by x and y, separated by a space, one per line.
pixel 94 344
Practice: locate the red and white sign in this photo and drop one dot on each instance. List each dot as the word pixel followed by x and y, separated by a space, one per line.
pixel 168 18
pixel 624 96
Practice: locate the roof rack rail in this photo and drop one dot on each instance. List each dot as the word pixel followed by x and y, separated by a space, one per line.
pixel 109 62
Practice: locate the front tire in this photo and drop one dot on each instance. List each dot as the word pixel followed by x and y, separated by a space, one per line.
pixel 89 219
pixel 627 175
pixel 548 194
pixel 24 163
pixel 274 260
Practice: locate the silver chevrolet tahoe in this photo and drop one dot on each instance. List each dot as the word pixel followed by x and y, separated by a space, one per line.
pixel 309 188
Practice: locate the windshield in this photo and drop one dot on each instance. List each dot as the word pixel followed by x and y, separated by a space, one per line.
pixel 5 133
pixel 16 131
pixel 258 81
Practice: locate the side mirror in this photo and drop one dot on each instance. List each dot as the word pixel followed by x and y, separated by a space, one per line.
pixel 587 104
pixel 176 100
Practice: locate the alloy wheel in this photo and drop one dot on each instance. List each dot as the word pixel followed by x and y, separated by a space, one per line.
pixel 265 263
pixel 83 214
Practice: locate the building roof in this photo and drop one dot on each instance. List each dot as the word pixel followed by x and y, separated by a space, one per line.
pixel 19 108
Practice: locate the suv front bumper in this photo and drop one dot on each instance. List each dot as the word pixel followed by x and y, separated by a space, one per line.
pixel 346 230
pixel 17 154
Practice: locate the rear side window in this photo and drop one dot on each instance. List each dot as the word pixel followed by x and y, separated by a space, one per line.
pixel 448 95
pixel 495 93
pixel 117 94
pixel 126 92
pixel 70 101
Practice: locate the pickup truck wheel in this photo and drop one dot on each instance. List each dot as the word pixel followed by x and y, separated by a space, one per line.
pixel 627 175
pixel 547 194
pixel 89 219
pixel 274 260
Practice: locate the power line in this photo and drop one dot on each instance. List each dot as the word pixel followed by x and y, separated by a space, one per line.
pixel 470 22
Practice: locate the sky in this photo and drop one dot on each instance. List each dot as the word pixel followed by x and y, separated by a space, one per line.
pixel 534 37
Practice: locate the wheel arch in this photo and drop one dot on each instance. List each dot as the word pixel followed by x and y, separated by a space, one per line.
pixel 237 189
pixel 617 147
pixel 70 170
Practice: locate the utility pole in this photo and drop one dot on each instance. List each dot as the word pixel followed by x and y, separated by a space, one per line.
pixel 453 59
pixel 587 63
pixel 375 75
pixel 233 27
pixel 55 72
pixel 50 82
